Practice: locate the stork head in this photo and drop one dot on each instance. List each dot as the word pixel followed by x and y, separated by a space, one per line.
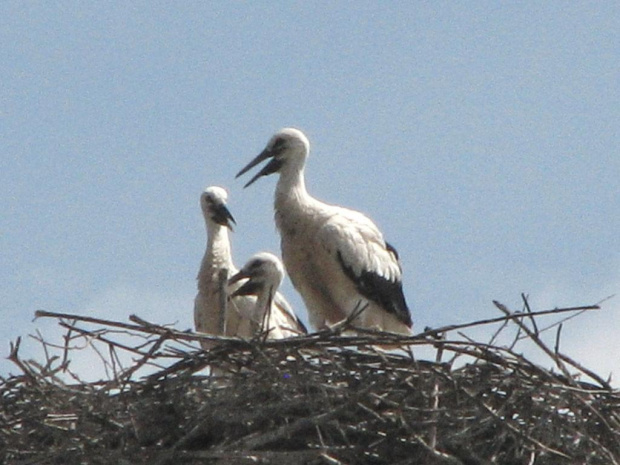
pixel 264 271
pixel 287 149
pixel 214 209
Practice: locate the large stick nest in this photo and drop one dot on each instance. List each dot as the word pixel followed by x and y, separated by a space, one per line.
pixel 324 398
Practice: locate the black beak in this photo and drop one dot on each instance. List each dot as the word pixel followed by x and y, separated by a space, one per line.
pixel 222 216
pixel 272 167
pixel 248 288
pixel 241 274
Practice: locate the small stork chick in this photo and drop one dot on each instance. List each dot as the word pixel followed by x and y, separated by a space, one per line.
pixel 337 258
pixel 264 274
pixel 210 303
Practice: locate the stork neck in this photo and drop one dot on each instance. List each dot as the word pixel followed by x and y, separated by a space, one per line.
pixel 291 187
pixel 218 246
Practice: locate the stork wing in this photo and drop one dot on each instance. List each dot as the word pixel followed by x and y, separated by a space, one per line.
pixel 285 308
pixel 365 258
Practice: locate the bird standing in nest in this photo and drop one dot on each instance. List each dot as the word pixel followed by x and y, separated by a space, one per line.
pixel 336 258
pixel 214 311
pixel 264 274
pixel 211 313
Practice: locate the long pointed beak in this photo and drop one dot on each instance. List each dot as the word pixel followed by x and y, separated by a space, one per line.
pixel 241 274
pixel 270 168
pixel 222 216
pixel 248 288
pixel 261 156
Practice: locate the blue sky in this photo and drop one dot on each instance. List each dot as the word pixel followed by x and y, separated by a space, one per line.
pixel 482 137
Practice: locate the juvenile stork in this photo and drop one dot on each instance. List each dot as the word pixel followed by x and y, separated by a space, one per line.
pixel 337 258
pixel 217 310
pixel 210 302
pixel 264 274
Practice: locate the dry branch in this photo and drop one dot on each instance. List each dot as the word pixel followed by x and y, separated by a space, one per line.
pixel 323 398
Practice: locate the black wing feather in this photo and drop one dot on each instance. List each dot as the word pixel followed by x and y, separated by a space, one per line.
pixel 301 325
pixel 387 293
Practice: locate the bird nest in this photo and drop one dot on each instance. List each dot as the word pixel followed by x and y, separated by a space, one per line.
pixel 324 398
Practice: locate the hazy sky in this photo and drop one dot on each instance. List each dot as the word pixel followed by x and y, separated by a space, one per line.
pixel 482 138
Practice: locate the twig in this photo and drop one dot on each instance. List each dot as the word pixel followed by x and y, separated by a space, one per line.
pixel 14 357
pixel 223 299
pixel 557 340
pixel 537 341
pixel 529 312
pixel 510 316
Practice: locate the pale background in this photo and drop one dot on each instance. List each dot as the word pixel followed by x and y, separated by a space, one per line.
pixel 482 137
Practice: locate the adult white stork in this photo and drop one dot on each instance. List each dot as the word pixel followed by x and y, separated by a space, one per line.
pixel 264 274
pixel 210 302
pixel 337 258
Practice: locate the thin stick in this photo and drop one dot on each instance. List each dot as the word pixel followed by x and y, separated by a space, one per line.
pixel 557 340
pixel 538 342
pixel 223 299
pixel 379 337
pixel 529 312
pixel 509 316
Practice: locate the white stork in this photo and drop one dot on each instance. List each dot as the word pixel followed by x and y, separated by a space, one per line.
pixel 337 258
pixel 264 274
pixel 210 302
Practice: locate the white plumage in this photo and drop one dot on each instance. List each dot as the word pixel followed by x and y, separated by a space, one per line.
pixel 264 274
pixel 210 302
pixel 336 258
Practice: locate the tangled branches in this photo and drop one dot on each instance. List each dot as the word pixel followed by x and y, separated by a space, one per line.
pixel 324 398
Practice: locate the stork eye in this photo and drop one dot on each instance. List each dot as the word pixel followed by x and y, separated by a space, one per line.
pixel 278 144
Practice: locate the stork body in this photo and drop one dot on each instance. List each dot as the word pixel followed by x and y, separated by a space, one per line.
pixel 337 258
pixel 264 273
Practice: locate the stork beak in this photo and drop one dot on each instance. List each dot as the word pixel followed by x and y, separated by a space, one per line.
pixel 272 167
pixel 248 288
pixel 222 216
pixel 241 274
